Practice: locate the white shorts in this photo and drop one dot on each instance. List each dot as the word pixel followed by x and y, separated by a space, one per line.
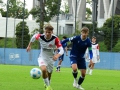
pixel 95 60
pixel 48 62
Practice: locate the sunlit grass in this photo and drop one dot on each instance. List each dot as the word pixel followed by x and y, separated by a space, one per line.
pixel 16 77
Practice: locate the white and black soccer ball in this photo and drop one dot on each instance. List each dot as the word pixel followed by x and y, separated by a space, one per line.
pixel 35 73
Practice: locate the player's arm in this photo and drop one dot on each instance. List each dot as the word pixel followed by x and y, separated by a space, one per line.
pixel 98 52
pixel 61 51
pixel 29 47
pixel 34 37
pixel 66 50
pixel 59 46
pixel 68 39
pixel 86 54
pixel 90 52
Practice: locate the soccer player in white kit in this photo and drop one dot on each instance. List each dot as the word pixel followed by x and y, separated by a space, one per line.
pixel 96 57
pixel 46 59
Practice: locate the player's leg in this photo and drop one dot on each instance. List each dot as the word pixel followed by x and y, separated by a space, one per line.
pixel 91 69
pixel 50 66
pixel 74 70
pixel 82 67
pixel 43 66
pixel 92 65
pixel 59 63
pixel 57 68
pixel 49 76
pixel 88 68
pixel 75 73
pixel 81 79
pixel 45 75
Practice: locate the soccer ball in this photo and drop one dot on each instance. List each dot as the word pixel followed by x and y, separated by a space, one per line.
pixel 35 73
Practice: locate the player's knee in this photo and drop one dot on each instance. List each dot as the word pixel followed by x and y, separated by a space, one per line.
pixel 74 69
pixel 43 69
pixel 83 75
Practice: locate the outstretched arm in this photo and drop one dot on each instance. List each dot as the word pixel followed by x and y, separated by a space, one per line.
pixel 64 41
pixel 29 47
pixel 34 37
pixel 66 50
pixel 69 39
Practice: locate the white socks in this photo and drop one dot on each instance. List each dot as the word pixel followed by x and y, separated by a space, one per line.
pixel 46 81
pixel 88 69
pixel 90 72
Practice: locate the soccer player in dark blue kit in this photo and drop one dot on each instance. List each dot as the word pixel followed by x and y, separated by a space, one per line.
pixel 77 55
pixel 61 58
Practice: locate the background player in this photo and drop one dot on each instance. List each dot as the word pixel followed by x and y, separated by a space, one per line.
pixel 46 59
pixel 62 56
pixel 96 58
pixel 77 55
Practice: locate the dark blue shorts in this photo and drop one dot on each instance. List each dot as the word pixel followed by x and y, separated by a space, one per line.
pixel 81 63
pixel 61 57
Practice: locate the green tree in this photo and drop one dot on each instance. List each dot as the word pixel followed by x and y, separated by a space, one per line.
pixel 1 1
pixel 50 9
pixel 88 10
pixel 26 36
pixel 15 9
pixel 107 29
pixel 88 14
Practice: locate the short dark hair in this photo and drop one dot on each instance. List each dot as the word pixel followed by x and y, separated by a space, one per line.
pixel 94 37
pixel 49 27
pixel 85 29
pixel 64 37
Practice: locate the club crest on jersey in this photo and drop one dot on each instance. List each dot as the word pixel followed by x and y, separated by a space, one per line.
pixel 42 62
pixel 50 45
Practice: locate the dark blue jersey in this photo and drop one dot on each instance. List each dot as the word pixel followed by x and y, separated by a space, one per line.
pixel 64 45
pixel 79 46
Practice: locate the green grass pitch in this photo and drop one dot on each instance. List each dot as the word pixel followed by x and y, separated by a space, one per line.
pixel 16 77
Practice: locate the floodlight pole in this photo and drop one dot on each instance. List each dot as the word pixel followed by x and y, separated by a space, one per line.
pixel 6 29
pixel 23 24
pixel 58 16
pixel 75 15
pixel 41 15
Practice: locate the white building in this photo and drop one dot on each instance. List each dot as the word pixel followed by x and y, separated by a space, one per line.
pixel 66 24
pixel 11 26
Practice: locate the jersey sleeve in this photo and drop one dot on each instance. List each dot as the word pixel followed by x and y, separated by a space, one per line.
pixel 97 49
pixel 72 38
pixel 90 50
pixel 35 37
pixel 57 42
pixel 69 39
pixel 86 51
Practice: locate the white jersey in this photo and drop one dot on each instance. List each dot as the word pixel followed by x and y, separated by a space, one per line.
pixel 47 46
pixel 95 49
pixel 47 49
